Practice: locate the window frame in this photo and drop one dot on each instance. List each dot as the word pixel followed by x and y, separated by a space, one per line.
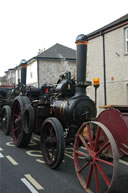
pixel 126 40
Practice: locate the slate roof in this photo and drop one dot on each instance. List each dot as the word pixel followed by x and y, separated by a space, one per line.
pixel 111 26
pixel 58 51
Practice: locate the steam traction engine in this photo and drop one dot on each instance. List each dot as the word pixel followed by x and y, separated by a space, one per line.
pixel 62 114
pixel 54 112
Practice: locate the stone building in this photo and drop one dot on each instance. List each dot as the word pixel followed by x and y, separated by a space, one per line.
pixel 108 60
pixel 47 66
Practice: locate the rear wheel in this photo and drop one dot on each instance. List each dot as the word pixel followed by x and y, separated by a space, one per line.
pixel 6 118
pixel 20 137
pixel 52 142
pixel 96 158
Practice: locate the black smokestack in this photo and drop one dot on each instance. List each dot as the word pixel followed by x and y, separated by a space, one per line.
pixel 23 74
pixel 81 42
pixel 23 64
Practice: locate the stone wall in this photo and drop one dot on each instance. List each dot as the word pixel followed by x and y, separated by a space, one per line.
pixel 49 71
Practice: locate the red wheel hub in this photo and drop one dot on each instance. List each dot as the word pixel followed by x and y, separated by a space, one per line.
pixel 93 157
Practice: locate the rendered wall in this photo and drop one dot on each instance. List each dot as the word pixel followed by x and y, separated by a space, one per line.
pixel 31 78
pixel 116 67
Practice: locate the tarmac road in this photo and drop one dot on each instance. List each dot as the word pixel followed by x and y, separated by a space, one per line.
pixel 23 171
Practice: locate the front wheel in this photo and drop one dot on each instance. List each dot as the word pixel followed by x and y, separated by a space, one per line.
pixel 52 142
pixel 96 158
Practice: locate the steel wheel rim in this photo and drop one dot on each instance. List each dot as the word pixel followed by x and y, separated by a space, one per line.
pixel 4 120
pixel 26 120
pixel 16 121
pixel 93 163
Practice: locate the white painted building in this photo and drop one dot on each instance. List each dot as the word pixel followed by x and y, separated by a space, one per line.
pixel 31 78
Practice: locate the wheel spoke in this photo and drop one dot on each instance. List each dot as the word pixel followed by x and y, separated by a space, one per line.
pixel 19 118
pixel 96 179
pixel 51 133
pixel 83 167
pixel 16 115
pixel 81 153
pixel 16 128
pixel 103 175
pixel 103 147
pixel 90 136
pixel 105 162
pixel 97 139
pixel 18 137
pixel 89 176
pixel 84 142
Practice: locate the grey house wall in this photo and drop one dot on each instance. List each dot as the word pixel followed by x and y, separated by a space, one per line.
pixel 50 70
pixel 95 67
pixel 116 67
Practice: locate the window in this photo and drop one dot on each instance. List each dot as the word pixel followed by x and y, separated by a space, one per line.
pixel 126 41
pixel 31 74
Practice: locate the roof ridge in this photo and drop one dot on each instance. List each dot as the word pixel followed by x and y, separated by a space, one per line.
pixel 58 51
pixel 109 26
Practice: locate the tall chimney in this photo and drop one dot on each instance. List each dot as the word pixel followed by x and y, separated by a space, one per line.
pixel 23 65
pixel 81 42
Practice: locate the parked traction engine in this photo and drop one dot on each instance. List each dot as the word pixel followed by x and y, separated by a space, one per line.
pixel 55 112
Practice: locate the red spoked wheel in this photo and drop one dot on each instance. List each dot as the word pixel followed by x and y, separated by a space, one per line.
pixel 95 158
pixel 20 137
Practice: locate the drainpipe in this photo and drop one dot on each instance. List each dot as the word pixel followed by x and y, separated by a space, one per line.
pixel 104 70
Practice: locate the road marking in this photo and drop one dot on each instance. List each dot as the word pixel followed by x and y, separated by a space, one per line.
pixel 30 187
pixel 123 162
pixel 36 139
pixel 1 149
pixel 10 143
pixel 34 182
pixel 69 156
pixel 34 153
pixel 32 143
pixel 83 147
pixel 1 155
pixel 40 161
pixel 11 160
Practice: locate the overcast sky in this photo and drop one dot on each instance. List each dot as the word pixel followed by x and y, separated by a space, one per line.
pixel 29 25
